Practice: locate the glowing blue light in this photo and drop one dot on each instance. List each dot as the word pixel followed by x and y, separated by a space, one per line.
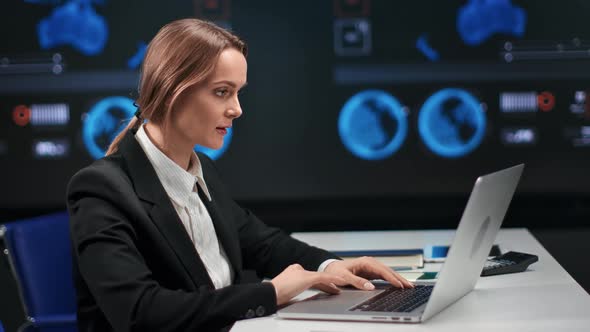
pixel 451 123
pixel 77 24
pixel 137 58
pixel 478 20
pixel 105 120
pixel 372 125
pixel 429 52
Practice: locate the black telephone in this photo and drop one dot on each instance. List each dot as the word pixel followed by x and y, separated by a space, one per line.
pixel 510 262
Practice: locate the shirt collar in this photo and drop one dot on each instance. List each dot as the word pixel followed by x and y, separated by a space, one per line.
pixel 178 182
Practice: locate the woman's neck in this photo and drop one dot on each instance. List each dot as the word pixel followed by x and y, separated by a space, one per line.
pixel 173 147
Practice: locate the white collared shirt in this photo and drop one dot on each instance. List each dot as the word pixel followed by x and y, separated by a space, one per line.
pixel 181 187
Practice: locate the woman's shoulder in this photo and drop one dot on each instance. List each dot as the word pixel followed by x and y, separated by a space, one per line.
pixel 108 173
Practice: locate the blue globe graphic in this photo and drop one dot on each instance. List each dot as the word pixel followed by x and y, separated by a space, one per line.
pixel 372 125
pixel 104 121
pixel 216 154
pixel 452 123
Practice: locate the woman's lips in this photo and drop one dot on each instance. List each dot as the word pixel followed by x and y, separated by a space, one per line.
pixel 221 130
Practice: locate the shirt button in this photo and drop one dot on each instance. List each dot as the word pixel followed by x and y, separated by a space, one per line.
pixel 250 313
pixel 260 311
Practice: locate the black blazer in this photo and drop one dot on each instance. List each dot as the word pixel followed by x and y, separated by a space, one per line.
pixel 135 267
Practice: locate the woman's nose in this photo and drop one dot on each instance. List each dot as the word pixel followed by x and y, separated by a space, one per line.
pixel 235 111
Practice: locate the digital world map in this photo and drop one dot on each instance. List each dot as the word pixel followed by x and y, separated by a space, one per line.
pixel 373 124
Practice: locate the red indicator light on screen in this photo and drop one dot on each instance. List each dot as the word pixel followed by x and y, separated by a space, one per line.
pixel 21 115
pixel 546 101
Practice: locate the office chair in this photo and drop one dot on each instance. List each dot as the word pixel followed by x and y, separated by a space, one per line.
pixel 39 254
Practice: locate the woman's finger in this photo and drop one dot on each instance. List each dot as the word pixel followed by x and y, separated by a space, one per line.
pixel 402 279
pixel 358 282
pixel 373 266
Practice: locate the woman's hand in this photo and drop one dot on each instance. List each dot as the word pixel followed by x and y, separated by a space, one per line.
pixel 357 271
pixel 294 280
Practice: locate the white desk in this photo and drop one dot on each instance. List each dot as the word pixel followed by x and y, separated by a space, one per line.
pixel 545 298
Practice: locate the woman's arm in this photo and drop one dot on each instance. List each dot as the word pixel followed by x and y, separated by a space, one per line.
pixel 268 250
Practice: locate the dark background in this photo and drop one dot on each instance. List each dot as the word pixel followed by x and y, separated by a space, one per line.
pixel 286 160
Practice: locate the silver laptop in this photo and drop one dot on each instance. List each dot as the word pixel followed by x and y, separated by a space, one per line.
pixel 473 240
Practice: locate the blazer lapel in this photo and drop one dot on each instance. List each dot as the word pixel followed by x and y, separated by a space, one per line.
pixel 167 221
pixel 226 238
pixel 162 213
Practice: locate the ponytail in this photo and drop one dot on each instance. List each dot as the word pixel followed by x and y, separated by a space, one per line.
pixel 133 124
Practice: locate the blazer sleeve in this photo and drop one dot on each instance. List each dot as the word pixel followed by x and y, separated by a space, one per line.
pixel 116 273
pixel 268 250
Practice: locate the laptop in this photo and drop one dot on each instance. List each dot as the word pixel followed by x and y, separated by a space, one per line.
pixel 473 240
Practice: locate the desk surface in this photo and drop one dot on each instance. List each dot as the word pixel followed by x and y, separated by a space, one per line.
pixel 544 298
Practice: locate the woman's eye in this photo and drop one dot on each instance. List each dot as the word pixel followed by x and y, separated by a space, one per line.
pixel 221 93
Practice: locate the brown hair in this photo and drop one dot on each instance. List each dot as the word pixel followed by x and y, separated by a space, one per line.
pixel 183 53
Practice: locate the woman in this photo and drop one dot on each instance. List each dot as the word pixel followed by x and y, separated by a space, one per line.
pixel 159 245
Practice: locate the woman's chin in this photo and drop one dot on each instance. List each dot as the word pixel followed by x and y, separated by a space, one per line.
pixel 215 146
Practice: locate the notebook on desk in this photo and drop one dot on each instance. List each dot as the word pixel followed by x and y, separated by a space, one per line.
pixel 398 259
pixel 481 220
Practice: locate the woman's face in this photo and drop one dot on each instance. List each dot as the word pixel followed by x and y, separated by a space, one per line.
pixel 208 109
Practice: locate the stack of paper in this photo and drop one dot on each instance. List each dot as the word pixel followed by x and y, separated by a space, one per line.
pixel 399 259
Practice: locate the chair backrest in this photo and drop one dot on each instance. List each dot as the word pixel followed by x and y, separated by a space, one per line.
pixel 40 254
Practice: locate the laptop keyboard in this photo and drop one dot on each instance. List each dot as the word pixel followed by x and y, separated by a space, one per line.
pixel 396 300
